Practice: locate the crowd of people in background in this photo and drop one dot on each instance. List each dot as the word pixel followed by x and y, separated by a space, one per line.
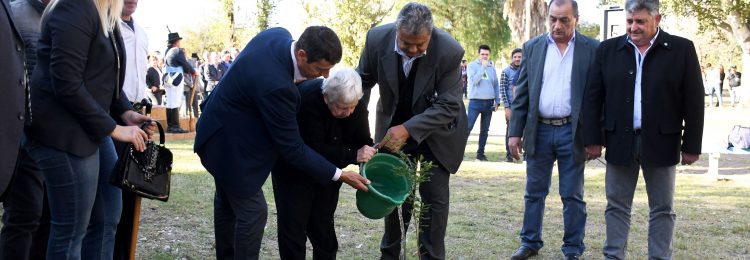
pixel 714 78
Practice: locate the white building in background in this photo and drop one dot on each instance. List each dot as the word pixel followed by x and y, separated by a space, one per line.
pixel 613 22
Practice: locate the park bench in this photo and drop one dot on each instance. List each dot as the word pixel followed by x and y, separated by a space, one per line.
pixel 714 154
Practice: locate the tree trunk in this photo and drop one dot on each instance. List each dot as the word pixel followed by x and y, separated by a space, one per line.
pixel 526 19
pixel 740 31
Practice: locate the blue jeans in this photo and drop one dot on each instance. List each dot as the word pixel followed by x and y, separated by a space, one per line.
pixel 554 143
pixel 84 207
pixel 485 108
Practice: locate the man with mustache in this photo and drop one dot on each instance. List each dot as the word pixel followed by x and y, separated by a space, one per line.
pixel 545 112
pixel 646 89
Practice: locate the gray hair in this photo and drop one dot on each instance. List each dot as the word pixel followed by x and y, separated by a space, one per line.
pixel 343 85
pixel 651 6
pixel 415 19
pixel 562 2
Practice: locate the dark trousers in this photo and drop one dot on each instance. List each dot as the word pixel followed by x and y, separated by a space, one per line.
pixel 507 146
pixel 26 217
pixel 239 224
pixel 305 209
pixel 159 97
pixel 191 102
pixel 434 220
pixel 173 118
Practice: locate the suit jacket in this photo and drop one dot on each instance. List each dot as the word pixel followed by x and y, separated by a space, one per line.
pixel 439 114
pixel 337 139
pixel 671 101
pixel 13 98
pixel 249 121
pixel 76 94
pixel 525 107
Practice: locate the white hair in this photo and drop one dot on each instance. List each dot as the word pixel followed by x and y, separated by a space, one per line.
pixel 343 86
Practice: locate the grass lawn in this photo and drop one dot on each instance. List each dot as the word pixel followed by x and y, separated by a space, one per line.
pixel 713 217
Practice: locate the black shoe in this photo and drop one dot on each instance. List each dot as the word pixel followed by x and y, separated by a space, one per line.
pixel 572 257
pixel 176 130
pixel 481 157
pixel 523 253
pixel 508 159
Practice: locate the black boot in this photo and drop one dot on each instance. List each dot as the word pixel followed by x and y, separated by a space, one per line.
pixel 173 121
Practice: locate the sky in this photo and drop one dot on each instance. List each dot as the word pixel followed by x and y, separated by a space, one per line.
pixel 180 15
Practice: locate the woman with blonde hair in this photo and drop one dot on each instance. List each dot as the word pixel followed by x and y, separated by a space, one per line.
pixel 77 102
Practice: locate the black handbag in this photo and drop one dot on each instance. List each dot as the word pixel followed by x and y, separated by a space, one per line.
pixel 146 173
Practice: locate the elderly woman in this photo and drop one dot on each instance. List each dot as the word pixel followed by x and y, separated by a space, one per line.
pixel 333 123
pixel 77 100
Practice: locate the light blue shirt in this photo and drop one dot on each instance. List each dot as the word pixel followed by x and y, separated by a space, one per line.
pixel 407 61
pixel 639 58
pixel 554 100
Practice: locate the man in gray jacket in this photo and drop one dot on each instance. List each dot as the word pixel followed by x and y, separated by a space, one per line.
pixel 546 113
pixel 420 111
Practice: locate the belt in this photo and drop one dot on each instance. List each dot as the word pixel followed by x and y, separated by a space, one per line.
pixel 637 131
pixel 555 121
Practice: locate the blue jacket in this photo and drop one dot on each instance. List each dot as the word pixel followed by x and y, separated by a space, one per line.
pixel 250 120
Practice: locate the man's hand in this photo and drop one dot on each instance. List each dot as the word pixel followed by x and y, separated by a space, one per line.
pixel 365 153
pixel 484 64
pixel 688 158
pixel 507 114
pixel 515 145
pixel 593 151
pixel 154 89
pixel 355 180
pixel 395 138
pixel 132 118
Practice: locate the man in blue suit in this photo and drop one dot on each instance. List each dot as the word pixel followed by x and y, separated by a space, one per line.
pixel 546 113
pixel 249 122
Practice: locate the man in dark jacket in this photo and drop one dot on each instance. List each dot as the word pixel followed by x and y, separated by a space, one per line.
pixel 645 92
pixel 14 89
pixel 26 218
pixel 418 70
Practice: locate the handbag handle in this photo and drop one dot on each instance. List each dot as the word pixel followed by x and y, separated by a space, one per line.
pixel 161 130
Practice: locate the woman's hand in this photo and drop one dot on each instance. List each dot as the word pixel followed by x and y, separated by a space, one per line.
pixel 131 134
pixel 132 118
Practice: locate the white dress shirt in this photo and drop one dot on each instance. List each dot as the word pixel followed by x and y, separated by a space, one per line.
pixel 554 100
pixel 639 58
pixel 136 61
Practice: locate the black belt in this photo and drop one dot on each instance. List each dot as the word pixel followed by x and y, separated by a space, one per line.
pixel 555 121
pixel 637 131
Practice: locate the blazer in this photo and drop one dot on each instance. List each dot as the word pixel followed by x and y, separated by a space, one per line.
pixel 13 98
pixel 671 101
pixel 250 120
pixel 525 106
pixel 76 94
pixel 439 114
pixel 336 139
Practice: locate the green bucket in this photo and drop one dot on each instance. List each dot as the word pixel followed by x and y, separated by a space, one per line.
pixel 387 190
